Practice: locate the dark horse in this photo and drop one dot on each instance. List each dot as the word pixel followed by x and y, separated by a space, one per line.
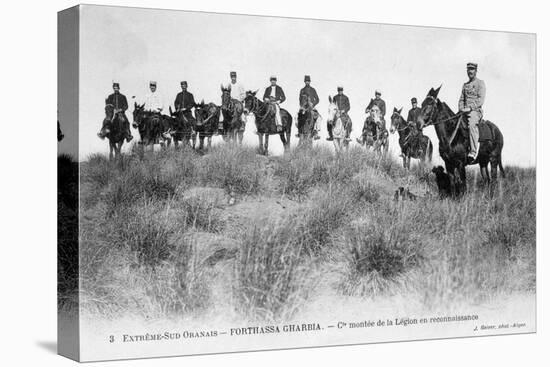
pixel 454 143
pixel 413 143
pixel 265 121
pixel 153 128
pixel 113 128
pixel 207 117
pixel 232 111
pixel 183 127
pixel 305 122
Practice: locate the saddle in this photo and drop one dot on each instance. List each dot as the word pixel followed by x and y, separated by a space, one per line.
pixel 485 131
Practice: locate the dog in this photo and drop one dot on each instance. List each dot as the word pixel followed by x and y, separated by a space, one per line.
pixel 403 194
pixel 443 182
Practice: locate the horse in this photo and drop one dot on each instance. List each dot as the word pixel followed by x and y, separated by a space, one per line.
pixel 454 142
pixel 113 128
pixel 306 123
pixel 413 143
pixel 153 128
pixel 374 132
pixel 265 121
pixel 207 117
pixel 183 127
pixel 232 112
pixel 341 125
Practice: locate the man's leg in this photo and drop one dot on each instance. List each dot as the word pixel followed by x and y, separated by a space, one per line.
pixel 129 136
pixel 473 120
pixel 278 117
pixel 329 129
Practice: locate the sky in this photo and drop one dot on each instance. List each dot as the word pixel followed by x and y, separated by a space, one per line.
pixel 133 46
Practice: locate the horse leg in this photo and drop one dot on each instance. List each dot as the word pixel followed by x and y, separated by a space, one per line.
pixel 111 149
pixel 283 140
pixel 209 144
pixel 260 143
pixel 266 144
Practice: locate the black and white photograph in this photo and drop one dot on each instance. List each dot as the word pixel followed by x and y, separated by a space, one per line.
pixel 231 183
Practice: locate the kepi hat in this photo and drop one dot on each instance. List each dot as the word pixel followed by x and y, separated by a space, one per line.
pixel 413 100
pixel 153 83
pixel 232 73
pixel 471 65
pixel 307 78
pixel 273 77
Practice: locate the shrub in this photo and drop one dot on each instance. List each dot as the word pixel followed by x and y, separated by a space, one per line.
pixel 271 279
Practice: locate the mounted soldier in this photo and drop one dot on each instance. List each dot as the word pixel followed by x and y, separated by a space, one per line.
pixel 185 102
pixel 153 100
pixel 379 102
pixel 274 95
pixel 119 105
pixel 237 89
pixel 470 104
pixel 308 99
pixel 343 106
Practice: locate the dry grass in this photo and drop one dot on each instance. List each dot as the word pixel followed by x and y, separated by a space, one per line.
pixel 138 254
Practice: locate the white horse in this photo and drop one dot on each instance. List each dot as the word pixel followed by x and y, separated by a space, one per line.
pixel 339 127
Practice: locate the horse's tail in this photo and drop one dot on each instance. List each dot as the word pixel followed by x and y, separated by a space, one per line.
pixel 429 150
pixel 501 167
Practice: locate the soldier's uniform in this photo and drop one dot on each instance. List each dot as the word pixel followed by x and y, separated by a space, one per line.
pixel 275 95
pixel 185 101
pixel 308 93
pixel 343 105
pixel 412 117
pixel 153 100
pixel 120 105
pixel 237 89
pixel 473 97
pixel 381 105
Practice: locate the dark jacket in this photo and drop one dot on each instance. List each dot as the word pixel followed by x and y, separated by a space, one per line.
pixel 184 100
pixel 118 100
pixel 279 94
pixel 308 91
pixel 380 103
pixel 413 115
pixel 342 102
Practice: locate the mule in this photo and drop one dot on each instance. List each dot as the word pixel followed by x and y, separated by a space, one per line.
pixel 306 123
pixel 232 113
pixel 113 128
pixel 265 122
pixel 183 127
pixel 153 128
pixel 454 142
pixel 207 117
pixel 341 126
pixel 374 134
pixel 412 142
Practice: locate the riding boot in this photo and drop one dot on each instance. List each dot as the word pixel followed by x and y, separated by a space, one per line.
pixel 329 129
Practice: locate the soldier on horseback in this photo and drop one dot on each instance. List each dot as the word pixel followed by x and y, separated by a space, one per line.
pixel 343 105
pixel 308 99
pixel 470 103
pixel 274 95
pixel 119 105
pixel 379 102
pixel 237 89
pixel 412 121
pixel 185 102
pixel 153 100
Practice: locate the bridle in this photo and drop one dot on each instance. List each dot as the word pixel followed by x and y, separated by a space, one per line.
pixel 431 120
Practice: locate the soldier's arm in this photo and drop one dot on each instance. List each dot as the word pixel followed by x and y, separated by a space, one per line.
pixel 347 105
pixel 124 106
pixel 283 97
pixel 176 102
pixel 480 94
pixel 266 93
pixel 383 108
pixel 315 98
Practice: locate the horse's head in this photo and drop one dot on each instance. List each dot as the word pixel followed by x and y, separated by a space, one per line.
pixel 226 94
pixel 250 102
pixel 375 114
pixel 428 110
pixel 396 119
pixel 109 111
pixel 138 114
pixel 333 112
